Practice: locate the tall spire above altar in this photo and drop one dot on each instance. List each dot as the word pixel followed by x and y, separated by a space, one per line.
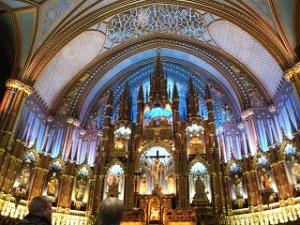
pixel 158 85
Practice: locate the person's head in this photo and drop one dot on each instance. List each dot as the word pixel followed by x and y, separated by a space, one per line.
pixel 41 206
pixel 111 211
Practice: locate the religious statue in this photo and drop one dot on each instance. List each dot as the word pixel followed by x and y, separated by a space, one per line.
pixel 255 100
pixel 93 121
pixel 163 120
pixel 295 168
pixel 120 143
pixel 80 188
pixel 113 188
pixel 23 179
pixel 171 184
pixel 155 170
pixel 200 197
pixel 143 185
pixel 52 184
pixel 227 113
pixel 199 185
pixel 265 179
pixel 238 186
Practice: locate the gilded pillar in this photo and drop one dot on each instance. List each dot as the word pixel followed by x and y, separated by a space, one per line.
pixel 220 187
pixel 11 166
pixel 293 75
pixel 185 202
pixel 11 109
pixel 179 191
pixel 107 128
pixel 39 178
pixel 10 112
pixel 215 194
pixel 129 197
pixel 66 190
pixel 92 196
pixel 252 185
pixel 227 196
pixel 284 190
pixel 99 192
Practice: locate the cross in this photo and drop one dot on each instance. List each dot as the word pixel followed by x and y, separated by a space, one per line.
pixel 157 156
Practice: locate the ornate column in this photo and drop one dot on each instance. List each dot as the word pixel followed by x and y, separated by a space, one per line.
pixel 9 170
pixel 129 189
pixel 49 121
pixel 39 179
pixel 10 112
pixel 107 128
pixel 98 193
pixel 227 195
pixel 71 124
pixel 251 182
pixel 247 116
pixel 66 187
pixel 220 187
pixel 277 165
pixel 92 196
pixel 293 75
pixel 98 179
pixel 11 109
pixel 273 110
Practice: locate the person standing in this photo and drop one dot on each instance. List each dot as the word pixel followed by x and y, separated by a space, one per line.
pixel 40 212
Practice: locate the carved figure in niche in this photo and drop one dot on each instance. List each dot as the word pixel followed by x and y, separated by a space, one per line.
pixel 155 170
pixel 52 184
pixel 113 188
pixel 199 185
pixel 201 194
pixel 255 99
pixel 171 183
pixel 295 168
pixel 155 121
pixel 93 121
pixel 265 179
pixel 80 187
pixel 227 113
pixel 120 143
pixel 238 186
pixel 24 178
pixel 143 185
pixel 163 120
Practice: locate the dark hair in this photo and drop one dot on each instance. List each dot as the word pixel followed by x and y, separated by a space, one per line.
pixel 38 204
pixel 111 211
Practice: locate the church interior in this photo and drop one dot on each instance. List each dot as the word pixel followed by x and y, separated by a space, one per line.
pixel 187 111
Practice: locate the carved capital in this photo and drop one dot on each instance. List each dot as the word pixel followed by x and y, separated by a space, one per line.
pixel 272 109
pixel 292 72
pixel 73 121
pixel 50 119
pixel 246 114
pixel 16 85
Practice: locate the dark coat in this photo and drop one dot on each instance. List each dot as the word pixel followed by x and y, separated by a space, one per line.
pixel 32 219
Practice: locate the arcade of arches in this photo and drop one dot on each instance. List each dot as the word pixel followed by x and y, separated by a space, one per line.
pixel 188 111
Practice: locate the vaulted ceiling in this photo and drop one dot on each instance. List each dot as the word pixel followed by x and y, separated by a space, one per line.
pixel 72 52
